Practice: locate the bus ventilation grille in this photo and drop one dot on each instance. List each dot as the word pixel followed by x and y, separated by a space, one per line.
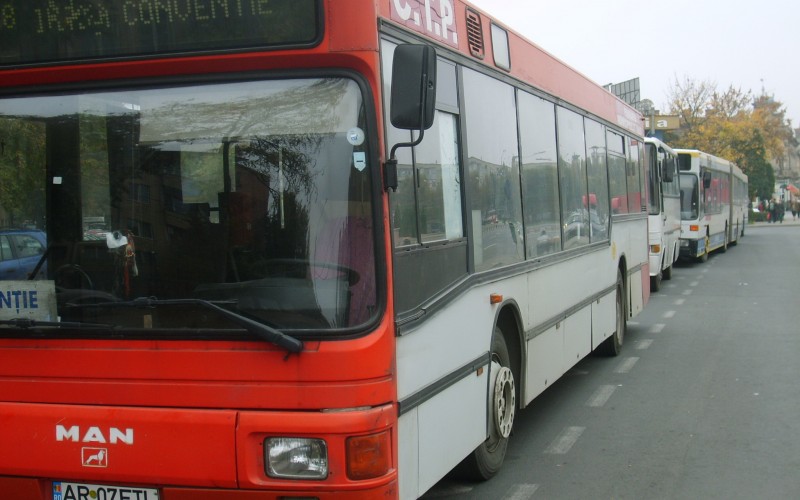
pixel 475 34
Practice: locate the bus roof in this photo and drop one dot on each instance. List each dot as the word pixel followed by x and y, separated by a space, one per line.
pixel 714 162
pixel 475 34
pixel 454 24
pixel 659 143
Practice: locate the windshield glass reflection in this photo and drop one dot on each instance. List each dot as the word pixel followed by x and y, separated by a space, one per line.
pixel 255 194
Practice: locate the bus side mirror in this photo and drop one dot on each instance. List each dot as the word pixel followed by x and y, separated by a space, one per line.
pixel 413 87
pixel 413 100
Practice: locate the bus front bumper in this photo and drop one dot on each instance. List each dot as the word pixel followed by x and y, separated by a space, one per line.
pixel 690 248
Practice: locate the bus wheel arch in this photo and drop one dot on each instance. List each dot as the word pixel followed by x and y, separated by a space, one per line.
pixel 503 397
pixel 655 281
pixel 725 243
pixel 612 346
pixel 704 257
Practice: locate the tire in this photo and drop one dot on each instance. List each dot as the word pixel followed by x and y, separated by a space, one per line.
pixel 487 458
pixel 667 273
pixel 612 346
pixel 655 282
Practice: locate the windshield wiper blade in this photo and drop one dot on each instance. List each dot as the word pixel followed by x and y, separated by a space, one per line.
pixel 267 333
pixel 25 323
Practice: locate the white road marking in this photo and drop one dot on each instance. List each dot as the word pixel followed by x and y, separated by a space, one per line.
pixel 601 396
pixel 680 302
pixel 670 314
pixel 522 492
pixel 643 344
pixel 656 328
pixel 626 365
pixel 568 437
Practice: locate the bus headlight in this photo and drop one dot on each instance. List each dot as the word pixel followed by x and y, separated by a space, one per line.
pixel 296 458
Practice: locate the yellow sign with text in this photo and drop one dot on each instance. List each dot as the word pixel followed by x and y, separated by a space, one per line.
pixel 663 122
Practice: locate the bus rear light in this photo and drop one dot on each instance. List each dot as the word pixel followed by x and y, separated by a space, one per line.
pixel 655 248
pixel 296 458
pixel 368 456
pixel 694 227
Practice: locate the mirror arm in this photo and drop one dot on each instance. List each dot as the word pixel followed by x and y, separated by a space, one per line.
pixel 390 169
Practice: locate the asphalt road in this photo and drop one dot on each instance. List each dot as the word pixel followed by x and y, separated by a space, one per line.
pixel 703 402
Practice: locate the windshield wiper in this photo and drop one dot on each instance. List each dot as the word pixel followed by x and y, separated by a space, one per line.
pixel 267 333
pixel 25 323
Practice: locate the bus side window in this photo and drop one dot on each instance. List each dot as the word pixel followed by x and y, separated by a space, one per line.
pixel 597 202
pixel 426 210
pixel 493 171
pixel 618 179
pixel 573 180
pixel 541 208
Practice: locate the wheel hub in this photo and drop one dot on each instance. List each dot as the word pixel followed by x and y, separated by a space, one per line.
pixel 505 401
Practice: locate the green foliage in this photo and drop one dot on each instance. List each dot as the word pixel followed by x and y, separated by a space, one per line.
pixel 22 173
pixel 732 125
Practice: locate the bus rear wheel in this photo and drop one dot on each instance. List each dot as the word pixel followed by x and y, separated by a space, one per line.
pixel 667 273
pixel 487 458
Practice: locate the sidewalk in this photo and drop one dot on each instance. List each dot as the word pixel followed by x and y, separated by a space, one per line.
pixel 787 221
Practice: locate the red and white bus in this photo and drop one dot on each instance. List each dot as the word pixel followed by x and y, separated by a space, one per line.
pixel 284 289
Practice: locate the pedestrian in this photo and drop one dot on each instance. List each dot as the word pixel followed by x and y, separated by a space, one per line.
pixel 771 211
pixel 795 208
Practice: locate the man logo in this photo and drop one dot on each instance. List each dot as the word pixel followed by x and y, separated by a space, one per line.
pixel 94 435
pixel 94 457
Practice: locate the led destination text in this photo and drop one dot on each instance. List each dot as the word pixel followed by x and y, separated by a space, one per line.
pixel 48 30
pixel 80 16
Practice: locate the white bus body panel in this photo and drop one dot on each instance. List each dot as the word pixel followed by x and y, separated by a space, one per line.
pixel 438 433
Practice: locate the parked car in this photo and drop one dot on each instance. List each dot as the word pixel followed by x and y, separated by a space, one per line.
pixel 20 252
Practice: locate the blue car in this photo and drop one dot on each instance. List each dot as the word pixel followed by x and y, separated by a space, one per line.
pixel 20 252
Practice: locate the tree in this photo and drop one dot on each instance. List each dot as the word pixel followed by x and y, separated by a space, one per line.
pixel 22 172
pixel 689 99
pixel 732 125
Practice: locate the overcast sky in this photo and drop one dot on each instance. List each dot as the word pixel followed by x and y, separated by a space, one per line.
pixel 747 44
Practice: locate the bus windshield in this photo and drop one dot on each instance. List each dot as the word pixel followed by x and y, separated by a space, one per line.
pixel 689 197
pixel 255 196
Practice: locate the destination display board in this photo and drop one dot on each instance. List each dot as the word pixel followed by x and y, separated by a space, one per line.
pixel 28 299
pixel 51 31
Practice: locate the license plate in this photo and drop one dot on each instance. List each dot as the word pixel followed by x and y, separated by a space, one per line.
pixel 84 491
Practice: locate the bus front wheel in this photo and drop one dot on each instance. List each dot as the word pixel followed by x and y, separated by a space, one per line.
pixel 487 458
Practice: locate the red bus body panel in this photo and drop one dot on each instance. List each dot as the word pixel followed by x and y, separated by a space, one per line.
pixel 166 447
pixel 200 410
